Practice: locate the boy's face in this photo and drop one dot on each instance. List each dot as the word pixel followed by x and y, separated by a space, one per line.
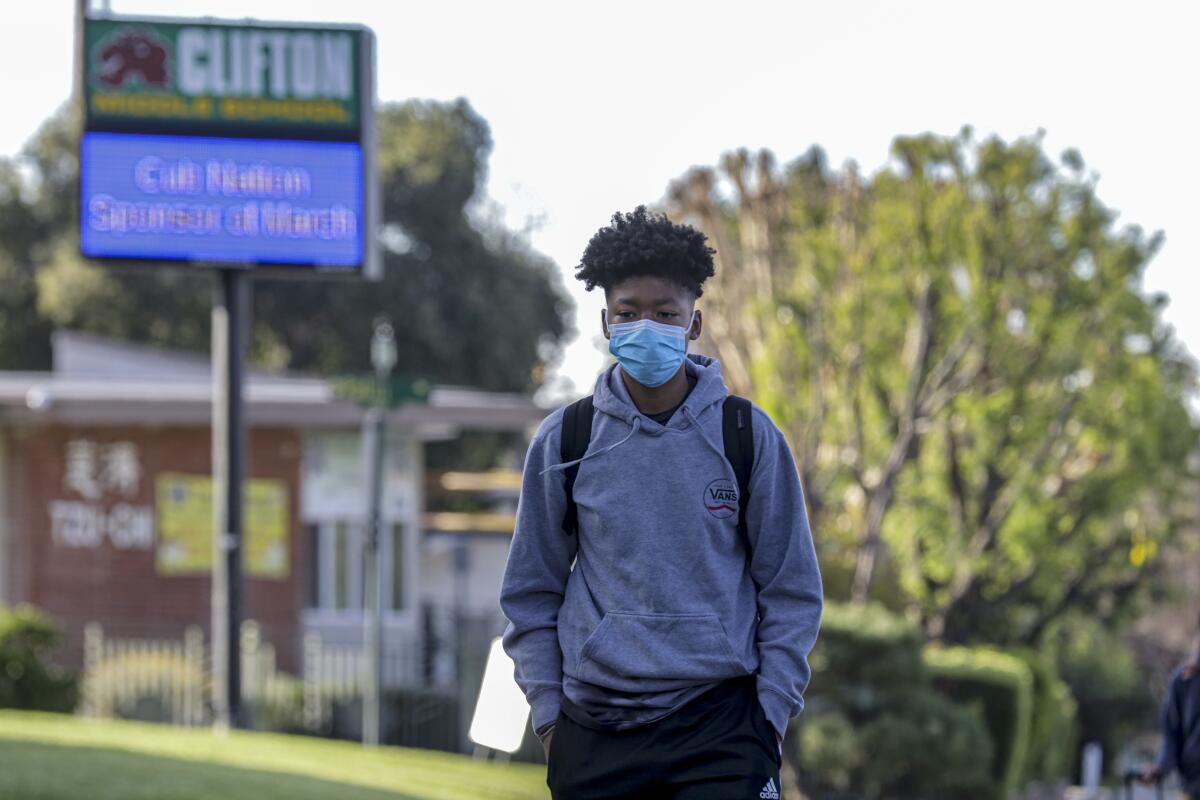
pixel 648 297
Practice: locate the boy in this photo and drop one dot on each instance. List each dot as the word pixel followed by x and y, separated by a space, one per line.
pixel 659 629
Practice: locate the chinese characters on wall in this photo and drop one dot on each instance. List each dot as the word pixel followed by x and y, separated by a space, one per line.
pixel 101 483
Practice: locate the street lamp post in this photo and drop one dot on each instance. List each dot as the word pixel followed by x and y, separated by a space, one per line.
pixel 383 359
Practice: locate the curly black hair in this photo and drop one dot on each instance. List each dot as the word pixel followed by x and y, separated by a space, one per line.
pixel 642 243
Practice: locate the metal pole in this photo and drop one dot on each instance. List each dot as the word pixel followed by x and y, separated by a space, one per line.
pixel 383 358
pixel 230 319
pixel 462 667
pixel 372 632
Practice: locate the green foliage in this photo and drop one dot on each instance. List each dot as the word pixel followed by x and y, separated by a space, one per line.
pixel 875 728
pixel 928 747
pixel 988 412
pixel 865 661
pixel 470 302
pixel 29 678
pixel 1113 694
pixel 831 744
pixel 1053 735
pixel 281 710
pixel 1001 687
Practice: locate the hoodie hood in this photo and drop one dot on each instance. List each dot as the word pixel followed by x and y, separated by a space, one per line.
pixel 612 397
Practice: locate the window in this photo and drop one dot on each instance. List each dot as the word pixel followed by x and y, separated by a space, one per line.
pixel 337 582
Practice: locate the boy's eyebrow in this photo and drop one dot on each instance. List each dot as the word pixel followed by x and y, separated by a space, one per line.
pixel 662 301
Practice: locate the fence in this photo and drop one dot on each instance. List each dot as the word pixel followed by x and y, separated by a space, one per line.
pixel 165 680
pixel 429 682
pixel 157 679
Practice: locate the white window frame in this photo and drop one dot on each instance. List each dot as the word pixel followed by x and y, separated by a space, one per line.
pixel 326 559
pixel 409 521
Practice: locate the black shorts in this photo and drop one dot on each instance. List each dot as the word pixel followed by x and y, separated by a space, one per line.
pixel 719 746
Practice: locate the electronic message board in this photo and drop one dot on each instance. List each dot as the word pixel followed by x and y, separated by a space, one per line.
pixel 194 198
pixel 228 143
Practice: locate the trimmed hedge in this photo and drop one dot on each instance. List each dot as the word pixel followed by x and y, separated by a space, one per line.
pixel 929 747
pixel 1054 736
pixel 1001 685
pixel 865 660
pixel 875 728
pixel 1110 687
pixel 29 678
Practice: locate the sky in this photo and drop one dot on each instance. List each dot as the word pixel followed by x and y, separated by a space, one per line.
pixel 597 107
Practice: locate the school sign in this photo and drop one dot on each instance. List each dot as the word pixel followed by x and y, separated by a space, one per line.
pixel 219 143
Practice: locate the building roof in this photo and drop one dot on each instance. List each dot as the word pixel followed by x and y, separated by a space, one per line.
pixel 98 381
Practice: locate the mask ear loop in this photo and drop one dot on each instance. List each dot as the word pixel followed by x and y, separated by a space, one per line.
pixel 687 334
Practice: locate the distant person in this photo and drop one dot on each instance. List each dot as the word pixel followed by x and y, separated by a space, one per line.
pixel 1181 730
pixel 662 587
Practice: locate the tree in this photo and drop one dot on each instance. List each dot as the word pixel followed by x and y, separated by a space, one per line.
pixel 470 302
pixel 985 408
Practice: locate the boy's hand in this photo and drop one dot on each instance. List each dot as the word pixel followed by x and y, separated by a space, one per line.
pixel 546 743
pixel 1152 774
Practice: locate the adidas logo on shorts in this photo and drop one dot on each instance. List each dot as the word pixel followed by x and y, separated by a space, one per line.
pixel 770 791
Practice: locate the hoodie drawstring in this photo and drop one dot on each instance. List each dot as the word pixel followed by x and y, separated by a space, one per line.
pixel 637 426
pixel 691 417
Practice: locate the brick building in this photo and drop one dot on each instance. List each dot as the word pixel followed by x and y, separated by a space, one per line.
pixel 105 512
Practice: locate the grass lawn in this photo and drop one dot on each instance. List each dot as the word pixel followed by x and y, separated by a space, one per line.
pixel 59 757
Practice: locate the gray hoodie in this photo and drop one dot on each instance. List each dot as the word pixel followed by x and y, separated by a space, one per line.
pixel 657 592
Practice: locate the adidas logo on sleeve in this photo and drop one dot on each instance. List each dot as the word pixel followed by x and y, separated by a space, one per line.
pixel 770 791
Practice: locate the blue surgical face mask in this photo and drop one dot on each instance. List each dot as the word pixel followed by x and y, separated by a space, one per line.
pixel 649 351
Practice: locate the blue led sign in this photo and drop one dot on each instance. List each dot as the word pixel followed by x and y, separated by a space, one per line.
pixel 216 200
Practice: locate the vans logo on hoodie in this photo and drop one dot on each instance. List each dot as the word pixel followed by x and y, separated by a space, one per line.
pixel 721 498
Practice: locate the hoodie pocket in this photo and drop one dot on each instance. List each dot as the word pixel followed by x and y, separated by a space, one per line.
pixel 657 652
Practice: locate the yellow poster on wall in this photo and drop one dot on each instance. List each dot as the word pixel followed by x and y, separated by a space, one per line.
pixel 185 526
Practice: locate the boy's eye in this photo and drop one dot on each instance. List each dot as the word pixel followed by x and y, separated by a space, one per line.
pixel 667 314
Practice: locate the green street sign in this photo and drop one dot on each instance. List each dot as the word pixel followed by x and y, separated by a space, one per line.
pixel 363 389
pixel 223 78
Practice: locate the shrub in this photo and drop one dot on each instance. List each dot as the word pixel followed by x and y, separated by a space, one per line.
pixel 1001 686
pixel 1113 694
pixel 866 659
pixel 928 747
pixel 281 707
pixel 1053 737
pixel 29 679
pixel 874 727
pixel 830 743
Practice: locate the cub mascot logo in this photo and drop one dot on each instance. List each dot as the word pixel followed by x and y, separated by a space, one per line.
pixel 134 53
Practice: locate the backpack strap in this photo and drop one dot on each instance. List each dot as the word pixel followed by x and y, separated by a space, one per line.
pixel 576 435
pixel 737 428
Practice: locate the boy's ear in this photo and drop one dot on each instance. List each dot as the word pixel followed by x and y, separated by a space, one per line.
pixel 697 325
pixel 604 322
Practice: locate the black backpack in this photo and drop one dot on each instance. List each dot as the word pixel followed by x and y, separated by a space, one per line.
pixel 736 428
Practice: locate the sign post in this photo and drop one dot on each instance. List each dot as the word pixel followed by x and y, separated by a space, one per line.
pixel 229 324
pixel 241 147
